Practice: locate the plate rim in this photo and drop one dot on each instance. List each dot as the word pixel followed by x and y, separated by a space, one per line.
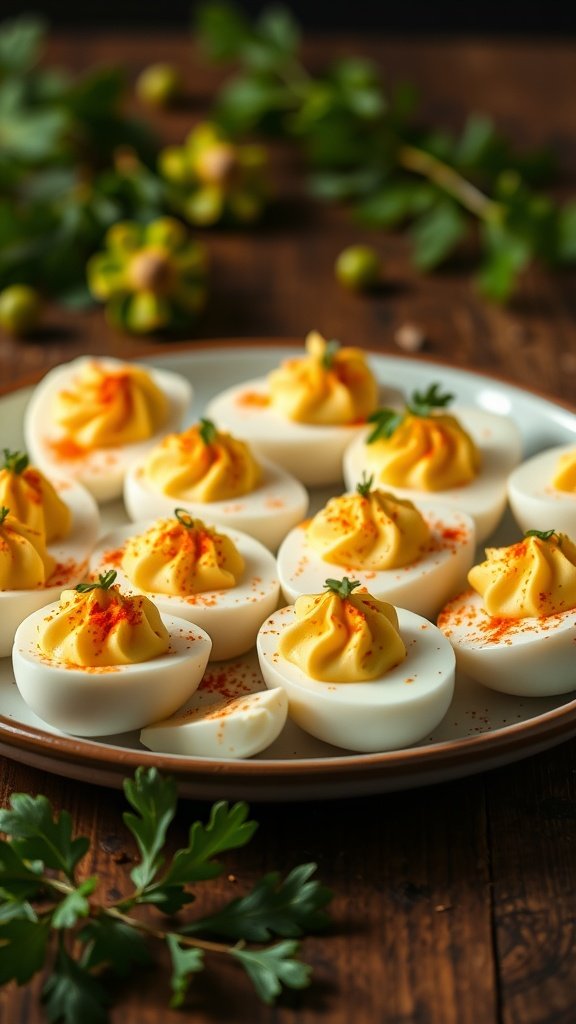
pixel 545 729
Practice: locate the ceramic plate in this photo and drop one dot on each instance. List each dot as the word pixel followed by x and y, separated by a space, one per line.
pixel 483 729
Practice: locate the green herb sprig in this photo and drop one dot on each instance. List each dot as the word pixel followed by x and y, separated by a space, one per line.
pixel 421 403
pixel 542 534
pixel 207 431
pixel 49 914
pixel 366 484
pixel 364 146
pixel 104 582
pixel 343 588
pixel 15 462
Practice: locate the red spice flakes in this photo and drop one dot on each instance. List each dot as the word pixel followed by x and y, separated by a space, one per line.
pixel 113 557
pixel 255 399
pixel 65 571
pixel 66 450
pixel 275 503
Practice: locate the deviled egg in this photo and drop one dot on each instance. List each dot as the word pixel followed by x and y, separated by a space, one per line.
pixel 543 490
pixel 358 673
pixel 423 452
pixel 98 662
pixel 231 714
pixel 32 570
pixel 226 582
pixel 415 557
pixel 515 630
pixel 305 413
pixel 216 476
pixel 88 420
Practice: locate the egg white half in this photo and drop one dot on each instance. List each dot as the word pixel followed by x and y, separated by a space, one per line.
pixel 71 553
pixel 312 454
pixel 267 513
pixel 422 587
pixel 230 617
pixel 104 701
pixel 536 504
pixel 101 470
pixel 389 713
pixel 498 440
pixel 530 657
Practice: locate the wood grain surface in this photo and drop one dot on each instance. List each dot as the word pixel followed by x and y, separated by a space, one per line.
pixel 454 904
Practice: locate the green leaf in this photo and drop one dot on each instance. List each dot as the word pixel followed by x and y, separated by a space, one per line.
pixel 287 908
pixel 20 43
pixel 74 906
pixel 38 835
pixel 422 403
pixel 12 907
pixel 154 798
pixel 278 27
pixel 19 879
pixel 222 30
pixel 271 968
pixel 185 963
pixel 477 139
pixel 28 133
pixel 244 101
pixel 437 234
pixel 507 255
pixel 114 944
pixel 23 948
pixel 227 829
pixel 396 202
pixel 72 995
pixel 385 421
pixel 567 233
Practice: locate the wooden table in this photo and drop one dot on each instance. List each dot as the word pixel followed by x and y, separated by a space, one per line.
pixel 454 904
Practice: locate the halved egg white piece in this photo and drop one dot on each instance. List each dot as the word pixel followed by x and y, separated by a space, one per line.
pixel 230 617
pixel 536 504
pixel 422 587
pixel 484 499
pixel 100 470
pixel 113 699
pixel 530 657
pixel 388 713
pixel 72 554
pixel 312 454
pixel 267 513
pixel 231 714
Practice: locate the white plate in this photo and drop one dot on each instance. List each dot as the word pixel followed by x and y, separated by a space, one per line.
pixel 483 729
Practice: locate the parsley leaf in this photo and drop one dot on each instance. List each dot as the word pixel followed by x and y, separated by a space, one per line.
pixel 24 944
pixel 385 421
pixel 423 402
pixel 287 908
pixel 154 799
pixel 113 943
pixel 185 962
pixel 72 995
pixel 38 835
pixel 74 905
pixel 271 968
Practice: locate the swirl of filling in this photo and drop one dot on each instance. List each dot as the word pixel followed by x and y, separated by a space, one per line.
pixel 24 562
pixel 106 407
pixel 565 477
pixel 429 453
pixel 182 556
pixel 328 386
pixel 533 578
pixel 369 530
pixel 202 464
pixel 340 639
pixel 102 627
pixel 32 498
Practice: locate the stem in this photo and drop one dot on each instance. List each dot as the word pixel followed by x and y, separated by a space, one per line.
pixel 158 933
pixel 417 160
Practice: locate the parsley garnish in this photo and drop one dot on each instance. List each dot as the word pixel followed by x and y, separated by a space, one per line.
pixel 4 511
pixel 207 431
pixel 14 462
pixel 104 582
pixel 329 355
pixel 387 421
pixel 48 916
pixel 343 587
pixel 365 485
pixel 541 534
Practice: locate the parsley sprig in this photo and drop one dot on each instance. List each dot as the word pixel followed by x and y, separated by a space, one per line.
pixel 50 914
pixel 14 462
pixel 421 403
pixel 365 146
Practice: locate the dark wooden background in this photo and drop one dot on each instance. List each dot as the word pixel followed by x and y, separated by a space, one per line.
pixel 454 904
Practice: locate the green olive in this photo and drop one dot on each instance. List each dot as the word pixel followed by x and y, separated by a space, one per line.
pixel 158 85
pixel 20 307
pixel 358 267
